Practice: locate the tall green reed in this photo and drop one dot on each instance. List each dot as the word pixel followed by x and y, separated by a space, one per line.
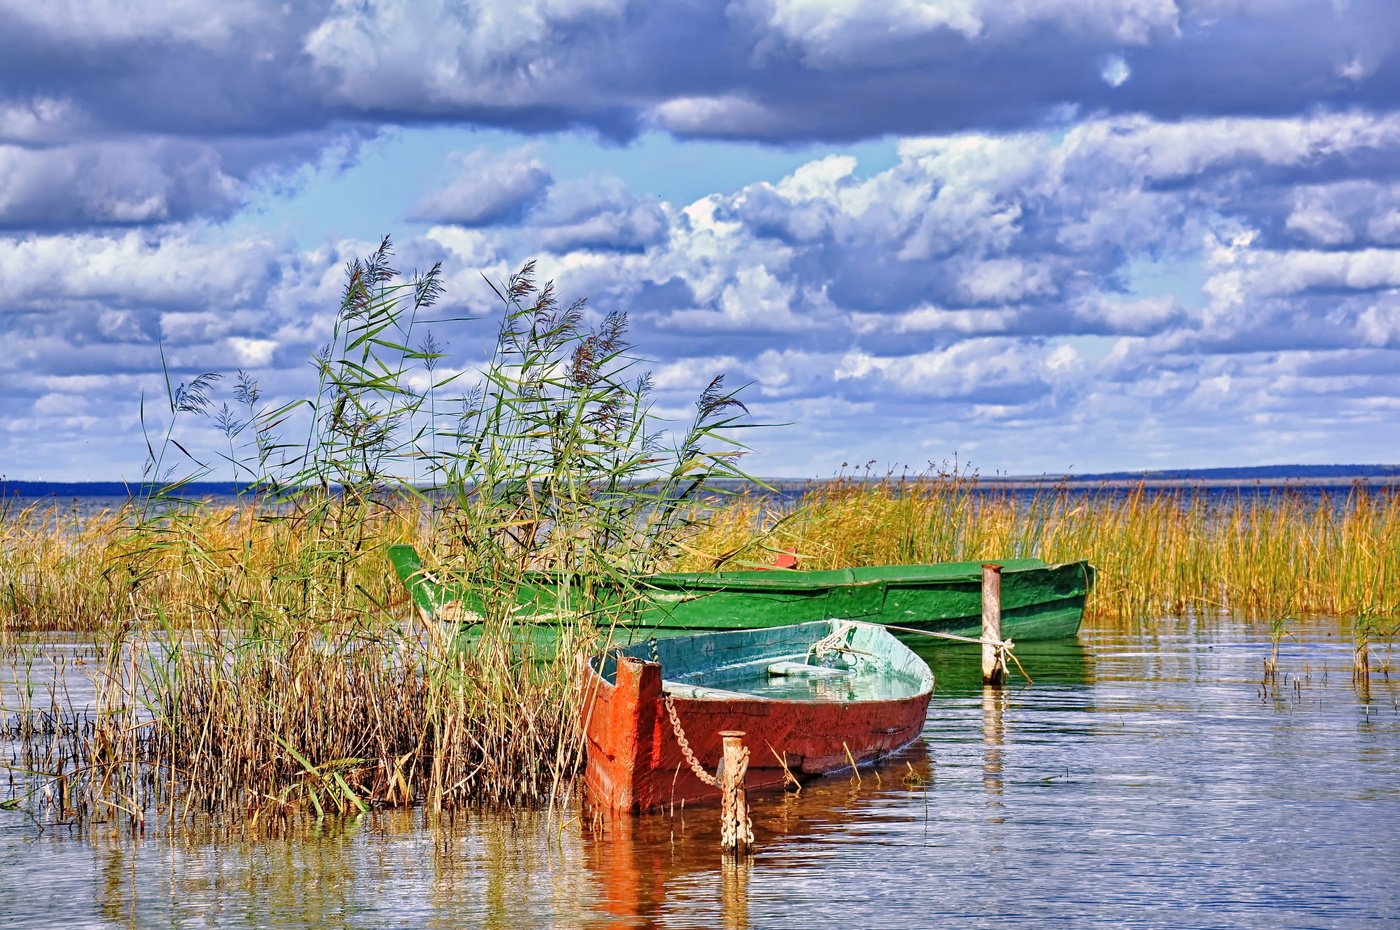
pixel 262 657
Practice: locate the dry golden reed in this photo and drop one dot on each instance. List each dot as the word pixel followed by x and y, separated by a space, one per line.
pixel 262 657
pixel 1159 552
pixel 61 570
pixel 304 721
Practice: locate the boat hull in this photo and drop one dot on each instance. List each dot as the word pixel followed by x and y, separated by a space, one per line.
pixel 635 761
pixel 1039 601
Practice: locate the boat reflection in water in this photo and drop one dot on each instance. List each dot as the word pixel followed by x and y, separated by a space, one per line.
pixel 647 867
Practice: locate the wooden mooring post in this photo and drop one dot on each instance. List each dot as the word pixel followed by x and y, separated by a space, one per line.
pixel 736 829
pixel 993 657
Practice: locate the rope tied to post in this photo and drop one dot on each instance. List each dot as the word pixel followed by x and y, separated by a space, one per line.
pixel 736 827
pixel 1002 646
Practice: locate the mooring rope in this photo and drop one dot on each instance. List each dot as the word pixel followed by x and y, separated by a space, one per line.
pixel 835 641
pixel 953 636
pixel 1002 646
pixel 736 827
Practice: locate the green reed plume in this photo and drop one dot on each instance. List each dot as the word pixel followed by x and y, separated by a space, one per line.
pixel 261 657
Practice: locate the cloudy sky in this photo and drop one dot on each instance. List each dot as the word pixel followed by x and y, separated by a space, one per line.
pixel 1040 235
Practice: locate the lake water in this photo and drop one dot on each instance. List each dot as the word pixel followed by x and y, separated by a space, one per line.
pixel 78 502
pixel 1143 780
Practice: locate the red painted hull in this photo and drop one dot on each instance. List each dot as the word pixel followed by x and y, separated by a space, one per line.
pixel 635 762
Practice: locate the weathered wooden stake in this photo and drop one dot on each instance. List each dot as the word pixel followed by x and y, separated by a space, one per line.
pixel 993 659
pixel 736 830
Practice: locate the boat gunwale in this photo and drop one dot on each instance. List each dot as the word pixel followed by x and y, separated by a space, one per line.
pixel 799 580
pixel 922 678
pixel 734 697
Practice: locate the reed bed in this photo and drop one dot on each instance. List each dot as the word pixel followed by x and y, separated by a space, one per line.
pixel 61 570
pixel 303 721
pixel 260 658
pixel 1159 552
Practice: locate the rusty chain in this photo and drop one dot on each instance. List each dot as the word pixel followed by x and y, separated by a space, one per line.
pixel 689 754
pixel 695 765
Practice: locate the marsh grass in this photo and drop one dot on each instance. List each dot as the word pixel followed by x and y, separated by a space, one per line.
pixel 1159 553
pixel 65 571
pixel 260 659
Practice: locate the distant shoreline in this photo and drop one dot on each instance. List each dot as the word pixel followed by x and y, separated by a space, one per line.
pixel 1124 484
pixel 1282 477
pixel 1149 482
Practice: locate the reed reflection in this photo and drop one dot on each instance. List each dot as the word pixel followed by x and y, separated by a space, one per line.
pixel 301 874
pixel 388 868
pixel 452 874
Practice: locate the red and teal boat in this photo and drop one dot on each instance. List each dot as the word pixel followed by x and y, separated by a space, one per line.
pixel 810 699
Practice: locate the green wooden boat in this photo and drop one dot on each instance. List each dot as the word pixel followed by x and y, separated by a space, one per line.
pixel 1038 600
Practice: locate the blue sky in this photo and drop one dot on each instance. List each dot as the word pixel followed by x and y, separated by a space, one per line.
pixel 1044 236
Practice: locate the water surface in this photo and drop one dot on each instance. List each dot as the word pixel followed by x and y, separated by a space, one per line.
pixel 1142 780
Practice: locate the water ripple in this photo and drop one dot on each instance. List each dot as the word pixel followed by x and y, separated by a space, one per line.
pixel 1136 783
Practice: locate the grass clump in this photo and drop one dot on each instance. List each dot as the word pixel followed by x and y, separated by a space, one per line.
pixel 261 658
pixel 1159 552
